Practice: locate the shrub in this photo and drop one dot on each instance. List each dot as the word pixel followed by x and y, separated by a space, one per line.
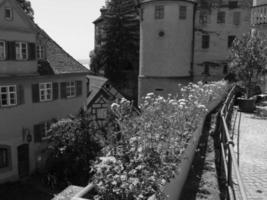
pixel 73 144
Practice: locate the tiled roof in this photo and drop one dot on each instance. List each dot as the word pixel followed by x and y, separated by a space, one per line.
pixel 60 61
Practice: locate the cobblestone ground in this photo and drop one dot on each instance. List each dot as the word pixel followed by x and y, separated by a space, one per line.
pixel 251 130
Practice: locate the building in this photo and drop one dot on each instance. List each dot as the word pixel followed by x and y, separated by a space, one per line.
pixel 259 22
pixel 39 83
pixel 217 24
pixel 166 45
pixel 102 94
pixel 187 40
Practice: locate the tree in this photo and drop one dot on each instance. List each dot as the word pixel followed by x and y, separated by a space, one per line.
pixel 26 6
pixel 248 59
pixel 120 48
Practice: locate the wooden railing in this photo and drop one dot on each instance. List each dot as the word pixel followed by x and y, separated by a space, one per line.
pixel 228 165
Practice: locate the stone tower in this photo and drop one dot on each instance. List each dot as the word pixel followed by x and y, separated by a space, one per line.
pixel 166 45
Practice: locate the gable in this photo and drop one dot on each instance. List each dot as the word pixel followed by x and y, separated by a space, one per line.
pixel 19 20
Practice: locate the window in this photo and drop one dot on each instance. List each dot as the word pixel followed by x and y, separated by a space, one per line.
pixel 182 12
pixel 205 41
pixel 2 50
pixel 206 70
pixel 45 90
pixel 45 130
pixel 8 14
pixel 236 18
pixel 8 95
pixel 231 38
pixel 233 4
pixel 21 51
pixel 71 89
pixel 203 19
pixel 41 131
pixel 4 158
pixel 221 17
pixel 40 52
pixel 159 12
pixel 101 113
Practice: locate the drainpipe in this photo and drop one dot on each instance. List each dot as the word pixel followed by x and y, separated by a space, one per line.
pixel 193 43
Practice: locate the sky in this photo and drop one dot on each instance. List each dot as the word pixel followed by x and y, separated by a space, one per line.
pixel 69 23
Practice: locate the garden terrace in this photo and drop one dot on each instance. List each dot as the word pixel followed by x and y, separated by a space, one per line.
pixel 155 150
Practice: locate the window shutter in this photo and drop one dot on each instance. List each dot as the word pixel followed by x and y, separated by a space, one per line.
pixel 63 90
pixel 35 93
pixel 79 88
pixel 32 51
pixel 10 50
pixel 236 18
pixel 55 91
pixel 20 95
pixel 38 132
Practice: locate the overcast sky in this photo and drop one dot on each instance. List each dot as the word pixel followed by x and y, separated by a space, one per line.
pixel 69 23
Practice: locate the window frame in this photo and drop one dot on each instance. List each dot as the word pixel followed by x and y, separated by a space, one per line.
pixel 8 95
pixel 43 88
pixel 182 12
pixel 159 12
pixel 40 52
pixel 11 14
pixel 221 19
pixel 71 89
pixel 19 51
pixel 4 50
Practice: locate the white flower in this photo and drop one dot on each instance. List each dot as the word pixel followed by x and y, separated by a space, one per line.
pixel 163 182
pixel 123 177
pixel 114 106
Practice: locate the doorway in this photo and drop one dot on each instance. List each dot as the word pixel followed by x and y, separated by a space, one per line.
pixel 23 161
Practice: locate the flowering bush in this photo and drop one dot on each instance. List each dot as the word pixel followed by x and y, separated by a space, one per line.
pixel 152 142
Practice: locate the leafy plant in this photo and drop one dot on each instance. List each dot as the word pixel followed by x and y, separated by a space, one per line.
pixel 150 145
pixel 248 59
pixel 73 144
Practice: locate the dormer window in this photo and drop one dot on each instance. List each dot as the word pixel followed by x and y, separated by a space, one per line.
pixel 2 50
pixel 21 51
pixel 8 14
pixel 40 52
